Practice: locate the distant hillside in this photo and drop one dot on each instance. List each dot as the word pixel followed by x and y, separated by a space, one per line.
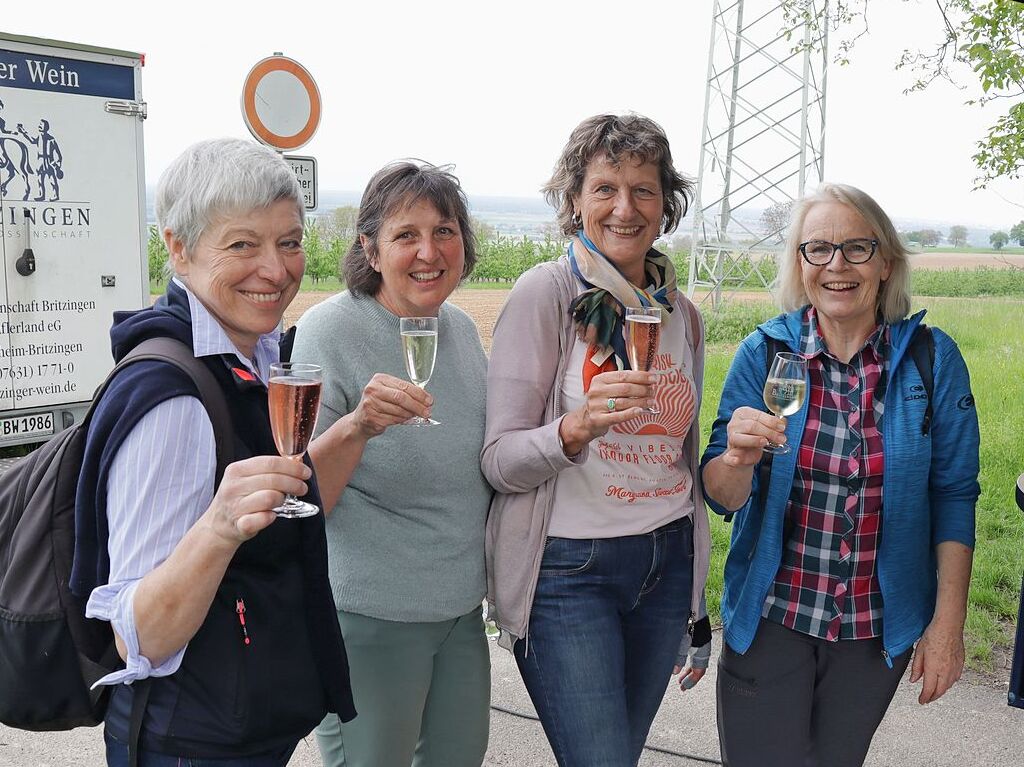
pixel 532 217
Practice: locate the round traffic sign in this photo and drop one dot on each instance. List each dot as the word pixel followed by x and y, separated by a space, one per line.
pixel 281 103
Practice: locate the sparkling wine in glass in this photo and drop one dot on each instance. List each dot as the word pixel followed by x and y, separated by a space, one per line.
pixel 419 347
pixel 294 395
pixel 784 390
pixel 643 329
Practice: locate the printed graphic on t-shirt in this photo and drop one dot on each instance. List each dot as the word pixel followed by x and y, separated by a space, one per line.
pixel 635 478
pixel 639 456
pixel 675 399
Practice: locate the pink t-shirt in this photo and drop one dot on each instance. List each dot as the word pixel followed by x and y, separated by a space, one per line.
pixel 635 479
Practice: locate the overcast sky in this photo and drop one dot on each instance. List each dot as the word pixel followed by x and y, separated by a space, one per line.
pixel 495 88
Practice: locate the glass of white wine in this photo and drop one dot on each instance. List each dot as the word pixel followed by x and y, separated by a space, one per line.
pixel 293 392
pixel 643 331
pixel 419 347
pixel 784 390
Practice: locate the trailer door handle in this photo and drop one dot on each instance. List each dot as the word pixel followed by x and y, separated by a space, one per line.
pixel 127 108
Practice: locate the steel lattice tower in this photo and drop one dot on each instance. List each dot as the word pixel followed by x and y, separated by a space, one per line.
pixel 763 140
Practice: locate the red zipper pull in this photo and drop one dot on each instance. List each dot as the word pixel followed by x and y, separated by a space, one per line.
pixel 240 609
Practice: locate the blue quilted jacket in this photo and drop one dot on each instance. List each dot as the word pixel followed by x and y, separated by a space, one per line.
pixel 930 484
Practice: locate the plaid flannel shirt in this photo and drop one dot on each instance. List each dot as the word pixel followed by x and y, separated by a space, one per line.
pixel 827 585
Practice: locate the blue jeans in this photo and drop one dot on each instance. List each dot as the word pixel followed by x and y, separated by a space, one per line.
pixel 117 756
pixel 608 616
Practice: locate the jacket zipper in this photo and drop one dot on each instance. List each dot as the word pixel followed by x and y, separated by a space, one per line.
pixel 240 609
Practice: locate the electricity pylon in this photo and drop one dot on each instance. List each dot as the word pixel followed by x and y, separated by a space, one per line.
pixel 763 141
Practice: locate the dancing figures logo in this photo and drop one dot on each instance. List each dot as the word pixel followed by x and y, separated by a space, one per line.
pixel 16 160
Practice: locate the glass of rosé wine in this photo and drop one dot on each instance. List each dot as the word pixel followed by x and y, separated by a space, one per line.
pixel 294 395
pixel 643 331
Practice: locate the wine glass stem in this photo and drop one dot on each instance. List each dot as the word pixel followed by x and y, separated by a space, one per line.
pixel 770 443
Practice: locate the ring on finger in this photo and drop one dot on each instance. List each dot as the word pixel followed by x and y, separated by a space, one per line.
pixel 611 404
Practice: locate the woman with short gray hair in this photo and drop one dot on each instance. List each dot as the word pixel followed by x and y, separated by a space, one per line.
pixel 221 610
pixel 856 543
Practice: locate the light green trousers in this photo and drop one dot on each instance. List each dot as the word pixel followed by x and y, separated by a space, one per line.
pixel 422 691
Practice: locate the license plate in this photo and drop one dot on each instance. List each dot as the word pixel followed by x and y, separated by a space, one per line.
pixel 34 425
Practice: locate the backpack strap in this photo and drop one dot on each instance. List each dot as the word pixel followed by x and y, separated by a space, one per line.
pixel 211 395
pixel 922 351
pixel 140 699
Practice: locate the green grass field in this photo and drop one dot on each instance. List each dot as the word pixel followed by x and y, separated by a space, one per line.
pixel 990 333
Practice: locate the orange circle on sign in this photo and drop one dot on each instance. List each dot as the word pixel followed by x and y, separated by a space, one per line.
pixel 252 119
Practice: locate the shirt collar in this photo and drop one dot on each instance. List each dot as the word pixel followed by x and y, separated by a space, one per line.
pixel 210 340
pixel 812 343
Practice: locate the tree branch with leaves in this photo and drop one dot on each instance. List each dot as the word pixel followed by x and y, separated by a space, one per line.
pixel 980 41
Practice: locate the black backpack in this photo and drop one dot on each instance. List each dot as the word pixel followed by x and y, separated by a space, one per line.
pixel 50 653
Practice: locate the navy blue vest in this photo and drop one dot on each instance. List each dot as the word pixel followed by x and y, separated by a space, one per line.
pixel 228 698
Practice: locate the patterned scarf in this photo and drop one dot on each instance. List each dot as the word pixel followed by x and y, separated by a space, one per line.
pixel 600 310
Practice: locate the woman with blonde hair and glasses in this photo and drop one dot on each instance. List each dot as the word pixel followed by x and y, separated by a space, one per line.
pixel 856 543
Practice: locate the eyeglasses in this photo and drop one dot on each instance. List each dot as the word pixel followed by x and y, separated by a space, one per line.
pixel 821 252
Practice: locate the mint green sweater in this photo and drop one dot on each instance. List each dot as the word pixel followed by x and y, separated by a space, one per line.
pixel 406 540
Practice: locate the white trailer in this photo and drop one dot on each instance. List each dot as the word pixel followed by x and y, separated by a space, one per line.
pixel 72 225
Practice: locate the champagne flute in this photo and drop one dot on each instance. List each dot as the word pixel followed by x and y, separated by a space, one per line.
pixel 294 395
pixel 784 390
pixel 419 347
pixel 643 330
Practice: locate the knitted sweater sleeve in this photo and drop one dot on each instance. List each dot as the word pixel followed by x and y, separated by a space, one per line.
pixel 521 451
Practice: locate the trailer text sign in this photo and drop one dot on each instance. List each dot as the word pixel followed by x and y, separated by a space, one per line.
pixel 59 75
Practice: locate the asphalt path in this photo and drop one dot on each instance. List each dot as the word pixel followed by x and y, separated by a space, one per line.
pixel 971 726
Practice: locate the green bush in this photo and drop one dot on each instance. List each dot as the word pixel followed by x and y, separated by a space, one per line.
pixel 503 259
pixel 733 322
pixel 157 256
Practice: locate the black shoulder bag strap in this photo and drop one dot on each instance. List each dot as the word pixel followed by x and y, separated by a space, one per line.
pixel 212 396
pixel 922 351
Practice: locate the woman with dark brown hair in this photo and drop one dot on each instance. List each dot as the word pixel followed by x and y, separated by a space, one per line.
pixel 406 533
